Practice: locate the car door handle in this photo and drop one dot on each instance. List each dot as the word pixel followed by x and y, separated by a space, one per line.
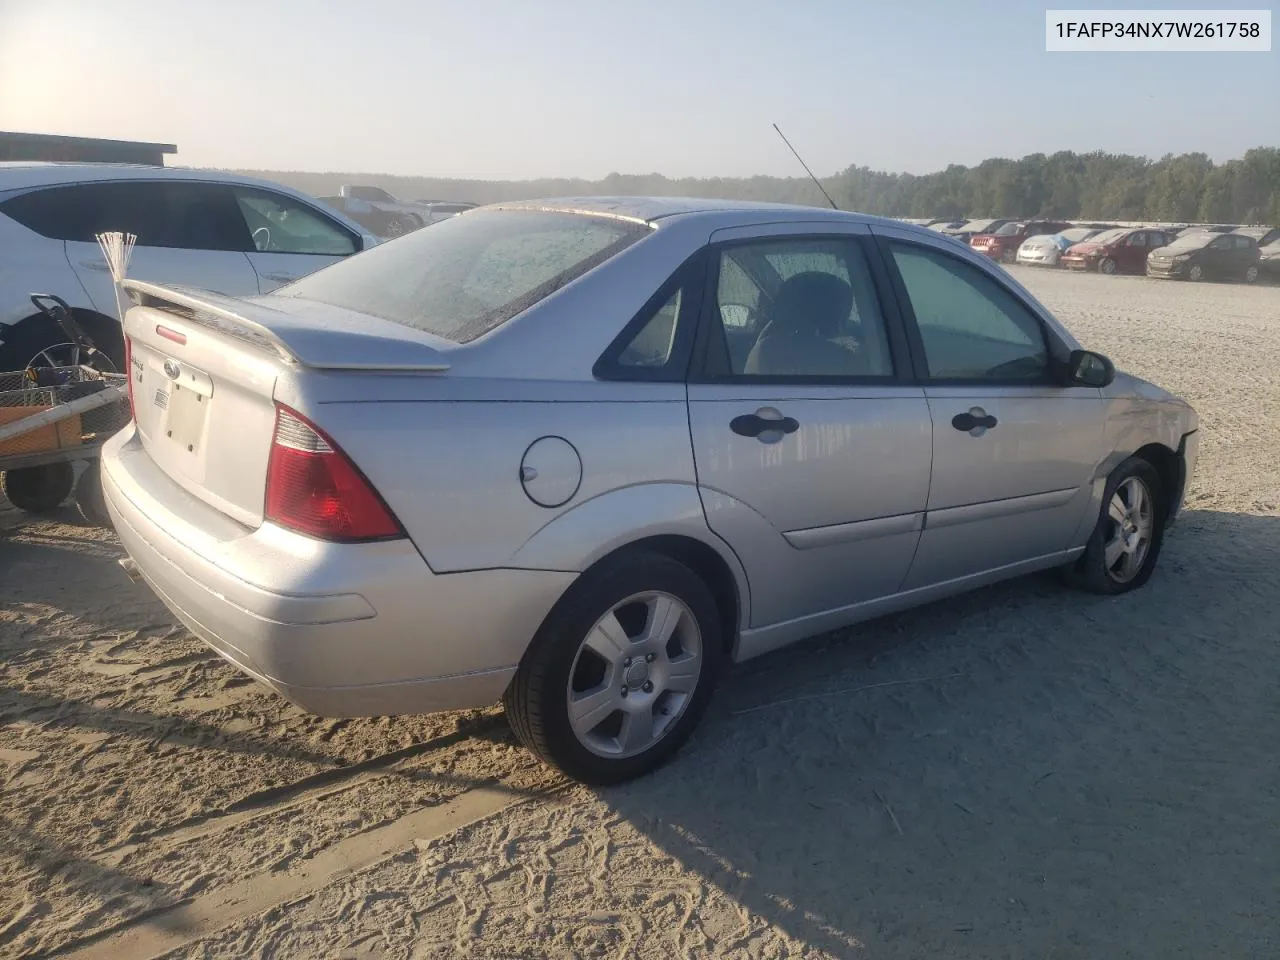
pixel 974 421
pixel 767 425
pixel 280 277
pixel 94 265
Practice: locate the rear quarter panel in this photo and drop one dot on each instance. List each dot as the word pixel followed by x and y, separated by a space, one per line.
pixel 450 469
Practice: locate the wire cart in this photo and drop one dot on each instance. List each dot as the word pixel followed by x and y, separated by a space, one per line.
pixel 52 416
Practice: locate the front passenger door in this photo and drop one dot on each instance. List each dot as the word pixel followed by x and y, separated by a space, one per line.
pixel 289 238
pixel 1013 451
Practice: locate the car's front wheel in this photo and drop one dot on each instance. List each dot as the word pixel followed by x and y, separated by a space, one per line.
pixel 1196 273
pixel 1107 265
pixel 1125 544
pixel 1251 274
pixel 621 671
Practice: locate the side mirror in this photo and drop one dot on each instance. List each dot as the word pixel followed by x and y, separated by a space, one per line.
pixel 1088 369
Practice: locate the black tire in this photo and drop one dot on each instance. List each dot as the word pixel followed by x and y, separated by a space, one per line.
pixel 38 489
pixel 1251 273
pixel 536 701
pixel 1107 265
pixel 89 499
pixel 1092 572
pixel 1196 273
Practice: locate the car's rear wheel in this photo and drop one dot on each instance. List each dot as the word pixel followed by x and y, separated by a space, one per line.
pixel 1122 552
pixel 1107 265
pixel 1196 273
pixel 1251 274
pixel 621 671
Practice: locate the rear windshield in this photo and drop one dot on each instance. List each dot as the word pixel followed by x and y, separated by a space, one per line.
pixel 466 275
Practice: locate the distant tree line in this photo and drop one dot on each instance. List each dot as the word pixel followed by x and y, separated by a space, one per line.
pixel 1066 185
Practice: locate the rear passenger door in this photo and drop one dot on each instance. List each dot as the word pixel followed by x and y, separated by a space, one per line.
pixel 1013 451
pixel 189 234
pixel 811 444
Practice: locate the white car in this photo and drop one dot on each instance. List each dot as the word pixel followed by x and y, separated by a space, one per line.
pixel 1045 249
pixel 230 234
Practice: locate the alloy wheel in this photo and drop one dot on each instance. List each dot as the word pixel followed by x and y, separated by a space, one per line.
pixel 1131 523
pixel 634 674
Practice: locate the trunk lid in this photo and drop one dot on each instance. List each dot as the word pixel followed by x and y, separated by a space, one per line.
pixel 205 370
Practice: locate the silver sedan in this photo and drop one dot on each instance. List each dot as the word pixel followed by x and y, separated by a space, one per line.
pixel 582 455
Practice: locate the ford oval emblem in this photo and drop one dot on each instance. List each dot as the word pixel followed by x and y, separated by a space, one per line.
pixel 172 370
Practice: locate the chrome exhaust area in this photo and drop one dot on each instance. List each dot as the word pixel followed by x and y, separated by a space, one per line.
pixel 131 569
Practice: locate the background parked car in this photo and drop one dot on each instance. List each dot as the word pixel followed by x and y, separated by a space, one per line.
pixel 1265 236
pixel 1003 242
pixel 434 211
pixel 972 228
pixel 1046 249
pixel 1207 256
pixel 1119 250
pixel 1206 228
pixel 231 234
pixel 1269 261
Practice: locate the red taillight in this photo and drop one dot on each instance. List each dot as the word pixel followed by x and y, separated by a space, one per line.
pixel 313 488
pixel 128 372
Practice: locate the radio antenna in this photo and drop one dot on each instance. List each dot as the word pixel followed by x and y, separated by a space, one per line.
pixel 815 180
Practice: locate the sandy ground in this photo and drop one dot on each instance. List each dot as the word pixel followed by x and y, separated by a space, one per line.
pixel 1021 772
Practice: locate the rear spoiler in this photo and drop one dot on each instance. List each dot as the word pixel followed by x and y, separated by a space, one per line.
pixel 353 345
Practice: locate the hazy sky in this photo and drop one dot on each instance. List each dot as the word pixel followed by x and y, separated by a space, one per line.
pixel 559 88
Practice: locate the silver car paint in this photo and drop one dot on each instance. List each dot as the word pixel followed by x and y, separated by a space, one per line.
pixel 832 525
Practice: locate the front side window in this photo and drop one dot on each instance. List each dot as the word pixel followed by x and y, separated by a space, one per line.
pixel 1137 240
pixel 811 311
pixel 280 224
pixel 971 327
pixel 469 274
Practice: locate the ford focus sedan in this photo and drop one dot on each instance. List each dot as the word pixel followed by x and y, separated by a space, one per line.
pixel 582 455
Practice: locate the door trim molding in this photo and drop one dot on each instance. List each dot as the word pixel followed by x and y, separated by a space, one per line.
pixel 831 534
pixel 994 509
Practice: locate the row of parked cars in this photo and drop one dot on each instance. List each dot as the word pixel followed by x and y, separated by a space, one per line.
pixel 1197 252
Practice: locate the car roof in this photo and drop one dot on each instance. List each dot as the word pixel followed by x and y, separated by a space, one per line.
pixel 20 175
pixel 651 210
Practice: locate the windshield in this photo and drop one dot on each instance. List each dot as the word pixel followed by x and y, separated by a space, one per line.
pixel 468 274
pixel 1108 236
pixel 1009 229
pixel 1076 234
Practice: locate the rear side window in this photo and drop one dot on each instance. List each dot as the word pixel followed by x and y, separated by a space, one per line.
pixel 469 274
pixel 194 216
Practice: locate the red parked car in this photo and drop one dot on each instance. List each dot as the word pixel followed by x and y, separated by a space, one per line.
pixel 1003 244
pixel 1122 250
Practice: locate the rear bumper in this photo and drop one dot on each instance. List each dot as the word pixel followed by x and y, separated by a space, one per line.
pixel 339 629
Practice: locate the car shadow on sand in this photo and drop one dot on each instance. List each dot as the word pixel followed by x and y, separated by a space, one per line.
pixel 1021 771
